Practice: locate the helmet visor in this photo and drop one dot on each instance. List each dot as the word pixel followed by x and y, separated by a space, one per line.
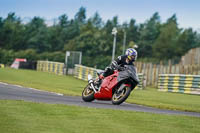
pixel 132 57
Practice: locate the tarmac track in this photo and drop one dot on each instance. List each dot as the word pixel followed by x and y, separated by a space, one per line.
pixel 16 92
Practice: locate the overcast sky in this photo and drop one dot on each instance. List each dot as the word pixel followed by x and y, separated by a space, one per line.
pixel 187 11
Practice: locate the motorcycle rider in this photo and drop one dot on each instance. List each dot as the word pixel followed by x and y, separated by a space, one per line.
pixel 127 59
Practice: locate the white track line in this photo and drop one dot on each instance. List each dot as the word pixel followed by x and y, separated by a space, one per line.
pixel 46 91
pixel 3 83
pixel 32 89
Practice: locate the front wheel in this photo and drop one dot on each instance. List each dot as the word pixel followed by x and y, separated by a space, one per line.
pixel 120 96
pixel 88 94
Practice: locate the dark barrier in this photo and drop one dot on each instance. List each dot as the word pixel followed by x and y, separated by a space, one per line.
pixel 28 65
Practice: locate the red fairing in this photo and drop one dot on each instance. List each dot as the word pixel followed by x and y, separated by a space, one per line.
pixel 106 87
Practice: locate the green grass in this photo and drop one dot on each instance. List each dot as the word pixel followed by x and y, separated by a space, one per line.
pixel 41 80
pixel 28 117
pixel 68 85
pixel 165 100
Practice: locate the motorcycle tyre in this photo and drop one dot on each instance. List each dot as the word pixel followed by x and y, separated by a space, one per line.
pixel 122 99
pixel 87 98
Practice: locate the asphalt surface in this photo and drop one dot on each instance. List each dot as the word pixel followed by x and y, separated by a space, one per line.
pixel 16 92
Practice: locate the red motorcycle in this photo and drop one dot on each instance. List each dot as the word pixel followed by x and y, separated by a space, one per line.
pixel 116 87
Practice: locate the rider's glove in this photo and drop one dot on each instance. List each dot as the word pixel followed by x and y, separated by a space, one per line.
pixel 121 68
pixel 114 65
pixel 101 76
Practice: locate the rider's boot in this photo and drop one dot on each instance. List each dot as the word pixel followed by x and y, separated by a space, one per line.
pixel 99 80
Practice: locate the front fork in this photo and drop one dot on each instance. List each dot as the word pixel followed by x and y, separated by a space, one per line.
pixel 91 83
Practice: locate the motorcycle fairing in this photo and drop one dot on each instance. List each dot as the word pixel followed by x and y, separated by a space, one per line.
pixel 107 85
pixel 130 71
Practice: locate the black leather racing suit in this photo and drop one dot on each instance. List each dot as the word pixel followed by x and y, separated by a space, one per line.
pixel 119 62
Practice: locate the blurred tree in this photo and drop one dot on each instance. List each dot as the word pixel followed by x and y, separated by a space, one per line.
pixel 37 35
pixel 63 21
pixel 156 40
pixel 165 44
pixel 80 16
pixel 148 33
pixel 11 33
pixel 55 38
pixel 132 31
pixel 58 34
pixel 96 20
pixel 186 41
pixel 1 32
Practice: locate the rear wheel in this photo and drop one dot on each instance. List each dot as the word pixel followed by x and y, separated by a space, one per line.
pixel 88 94
pixel 120 96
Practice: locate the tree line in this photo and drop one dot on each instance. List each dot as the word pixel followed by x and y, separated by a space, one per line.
pixel 35 40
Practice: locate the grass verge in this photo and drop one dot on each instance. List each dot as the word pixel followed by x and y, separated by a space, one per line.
pixel 23 117
pixel 68 85
pixel 41 80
